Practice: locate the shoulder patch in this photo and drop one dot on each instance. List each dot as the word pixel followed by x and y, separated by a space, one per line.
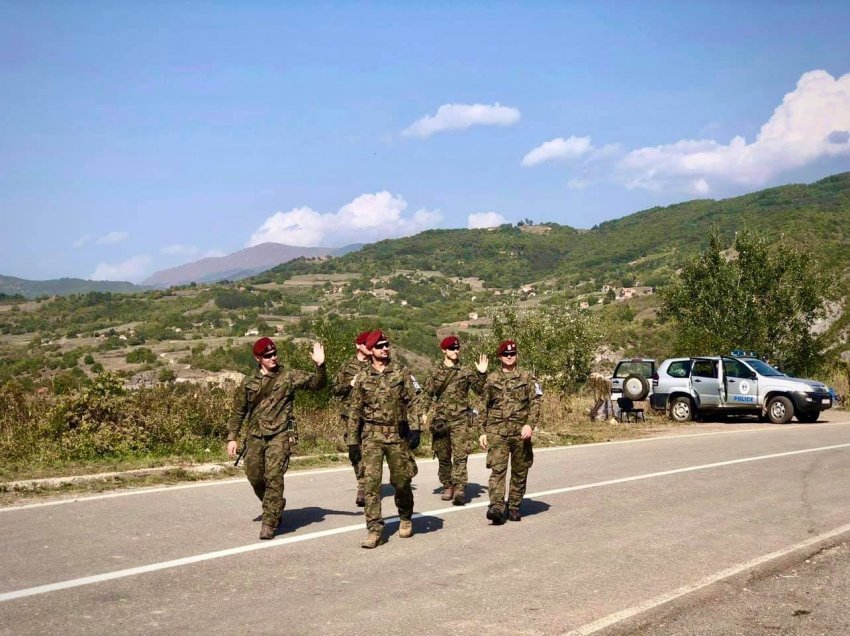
pixel 416 384
pixel 537 389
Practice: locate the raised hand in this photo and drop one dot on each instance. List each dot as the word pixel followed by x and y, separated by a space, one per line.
pixel 318 354
pixel 483 361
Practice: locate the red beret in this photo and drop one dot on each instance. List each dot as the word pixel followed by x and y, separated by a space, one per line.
pixel 361 338
pixel 506 345
pixel 374 338
pixel 445 343
pixel 264 345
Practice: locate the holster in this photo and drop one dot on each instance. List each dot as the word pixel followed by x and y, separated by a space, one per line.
pixel 439 427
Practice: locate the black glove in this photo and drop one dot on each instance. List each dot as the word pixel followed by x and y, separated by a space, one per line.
pixel 413 439
pixel 354 454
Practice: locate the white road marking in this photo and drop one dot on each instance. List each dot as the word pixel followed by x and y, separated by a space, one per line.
pixel 164 565
pixel 478 456
pixel 661 599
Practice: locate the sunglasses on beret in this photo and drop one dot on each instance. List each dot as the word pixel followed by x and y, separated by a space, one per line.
pixel 382 345
pixel 270 355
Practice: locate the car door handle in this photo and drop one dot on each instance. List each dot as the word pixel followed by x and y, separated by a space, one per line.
pixel 697 380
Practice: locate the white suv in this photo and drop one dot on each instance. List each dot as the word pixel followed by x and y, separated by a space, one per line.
pixel 739 386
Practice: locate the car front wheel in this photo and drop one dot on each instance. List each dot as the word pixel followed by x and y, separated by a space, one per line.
pixel 681 410
pixel 780 410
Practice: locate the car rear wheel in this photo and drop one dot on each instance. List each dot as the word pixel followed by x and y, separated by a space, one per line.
pixel 681 410
pixel 780 410
pixel 808 418
pixel 635 387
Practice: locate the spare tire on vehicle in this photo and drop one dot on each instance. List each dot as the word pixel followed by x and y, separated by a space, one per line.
pixel 635 387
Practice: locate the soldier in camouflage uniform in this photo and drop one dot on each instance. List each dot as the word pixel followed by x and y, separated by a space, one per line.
pixel 512 412
pixel 448 387
pixel 342 384
pixel 265 401
pixel 381 399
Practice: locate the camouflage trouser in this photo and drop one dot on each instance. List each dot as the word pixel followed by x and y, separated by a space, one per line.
pixel 357 466
pixel 451 449
pixel 266 461
pixel 500 448
pixel 402 470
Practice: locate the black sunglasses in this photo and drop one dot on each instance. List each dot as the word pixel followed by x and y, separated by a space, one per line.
pixel 454 348
pixel 382 345
pixel 508 354
pixel 270 355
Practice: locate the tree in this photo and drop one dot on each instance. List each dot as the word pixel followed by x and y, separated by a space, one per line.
pixel 763 294
pixel 556 341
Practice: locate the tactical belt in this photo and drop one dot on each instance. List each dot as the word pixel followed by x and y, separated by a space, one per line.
pixel 383 428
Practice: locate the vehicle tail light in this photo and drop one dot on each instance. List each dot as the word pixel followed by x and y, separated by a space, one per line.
pixel 654 379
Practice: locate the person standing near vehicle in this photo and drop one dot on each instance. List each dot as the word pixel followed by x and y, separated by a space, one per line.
pixel 383 397
pixel 512 403
pixel 448 387
pixel 343 382
pixel 264 401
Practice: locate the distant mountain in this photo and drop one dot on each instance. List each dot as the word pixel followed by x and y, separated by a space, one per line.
pixel 11 286
pixel 241 264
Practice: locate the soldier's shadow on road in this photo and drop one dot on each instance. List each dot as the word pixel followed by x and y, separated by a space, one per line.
pixel 531 507
pixel 301 517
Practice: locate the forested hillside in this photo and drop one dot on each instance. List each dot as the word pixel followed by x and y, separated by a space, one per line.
pixel 647 245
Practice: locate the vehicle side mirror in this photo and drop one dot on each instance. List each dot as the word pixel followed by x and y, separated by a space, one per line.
pixel 753 375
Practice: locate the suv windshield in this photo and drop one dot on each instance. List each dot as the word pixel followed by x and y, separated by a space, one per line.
pixel 643 368
pixel 763 368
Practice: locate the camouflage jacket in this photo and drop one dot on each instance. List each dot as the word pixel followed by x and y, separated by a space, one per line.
pixel 341 387
pixel 512 400
pixel 383 403
pixel 274 413
pixel 453 403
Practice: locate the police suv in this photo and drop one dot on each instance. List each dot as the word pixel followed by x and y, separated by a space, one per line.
pixel 744 386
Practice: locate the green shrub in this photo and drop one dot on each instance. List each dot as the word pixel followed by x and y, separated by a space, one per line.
pixel 141 355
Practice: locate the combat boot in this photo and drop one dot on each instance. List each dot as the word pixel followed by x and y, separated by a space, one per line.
pixel 360 499
pixel 513 515
pixel 448 492
pixel 373 540
pixel 405 529
pixel 459 498
pixel 267 532
pixel 496 515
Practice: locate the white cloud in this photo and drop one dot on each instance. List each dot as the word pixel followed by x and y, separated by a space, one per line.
pixel 811 123
pixel 560 148
pixel 462 116
pixel 112 237
pixel 180 250
pixel 215 253
pixel 367 218
pixel 482 220
pixel 84 240
pixel 133 269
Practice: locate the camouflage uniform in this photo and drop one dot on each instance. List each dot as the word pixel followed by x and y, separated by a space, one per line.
pixel 512 401
pixel 380 403
pixel 271 431
pixel 453 410
pixel 342 390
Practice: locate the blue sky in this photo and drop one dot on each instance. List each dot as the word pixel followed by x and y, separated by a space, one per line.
pixel 136 136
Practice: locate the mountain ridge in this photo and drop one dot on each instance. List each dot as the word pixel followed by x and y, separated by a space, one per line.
pixel 237 265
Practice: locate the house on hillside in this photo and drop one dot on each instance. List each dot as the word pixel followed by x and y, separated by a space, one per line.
pixel 633 292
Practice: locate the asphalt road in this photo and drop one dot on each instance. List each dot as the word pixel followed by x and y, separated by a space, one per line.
pixel 616 537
